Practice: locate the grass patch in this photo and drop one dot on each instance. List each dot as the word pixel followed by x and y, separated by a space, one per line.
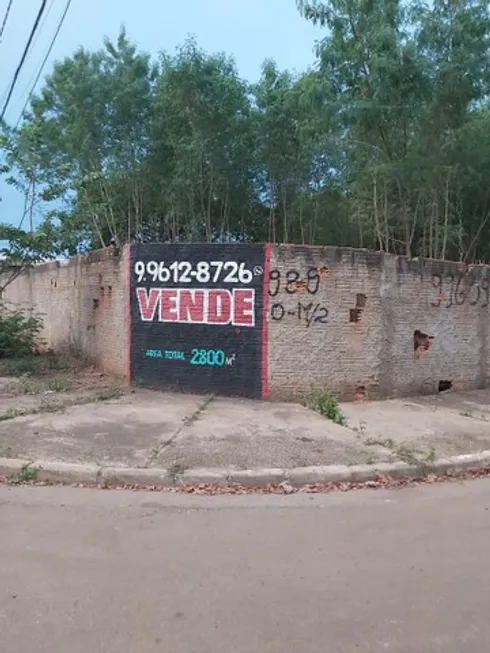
pixel 404 453
pixel 58 406
pixel 58 385
pixel 32 385
pixel 11 413
pixel 28 474
pixel 106 395
pixel 327 405
pixel 37 365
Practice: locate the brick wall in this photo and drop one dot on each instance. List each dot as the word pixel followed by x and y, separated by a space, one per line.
pixel 348 320
pixel 84 304
pixel 358 323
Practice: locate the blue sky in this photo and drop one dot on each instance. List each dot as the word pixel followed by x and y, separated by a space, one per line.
pixel 249 30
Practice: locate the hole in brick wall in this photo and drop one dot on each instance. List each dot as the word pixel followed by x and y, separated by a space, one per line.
pixel 102 290
pixel 355 314
pixel 96 303
pixel 55 284
pixel 110 290
pixel 100 278
pixel 444 386
pixel 361 393
pixel 421 343
pixel 74 282
pixel 361 300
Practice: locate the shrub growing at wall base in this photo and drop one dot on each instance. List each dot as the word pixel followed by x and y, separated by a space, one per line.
pixel 326 404
pixel 19 332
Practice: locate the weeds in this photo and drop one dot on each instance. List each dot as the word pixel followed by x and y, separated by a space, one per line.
pixel 35 386
pixel 190 419
pixel 28 474
pixel 19 331
pixel 49 406
pixel 11 413
pixel 36 365
pixel 327 405
pixel 106 395
pixel 176 470
pixel 404 453
pixel 360 430
pixel 58 385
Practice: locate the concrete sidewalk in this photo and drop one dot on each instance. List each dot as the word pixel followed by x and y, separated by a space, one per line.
pixel 176 432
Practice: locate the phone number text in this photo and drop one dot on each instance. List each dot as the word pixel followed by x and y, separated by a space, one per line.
pixel 202 272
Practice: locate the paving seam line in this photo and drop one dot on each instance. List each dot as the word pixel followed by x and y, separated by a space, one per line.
pixel 187 420
pixel 69 473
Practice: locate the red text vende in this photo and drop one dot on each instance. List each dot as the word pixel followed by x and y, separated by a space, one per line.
pixel 198 305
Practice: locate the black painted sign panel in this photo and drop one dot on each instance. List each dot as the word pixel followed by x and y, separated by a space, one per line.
pixel 196 317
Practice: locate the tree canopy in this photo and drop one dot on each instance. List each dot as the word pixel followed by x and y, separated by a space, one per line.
pixel 384 143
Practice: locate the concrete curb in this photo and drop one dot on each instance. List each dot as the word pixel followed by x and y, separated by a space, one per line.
pixel 89 474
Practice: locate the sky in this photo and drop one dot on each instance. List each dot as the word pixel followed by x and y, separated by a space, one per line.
pixel 249 30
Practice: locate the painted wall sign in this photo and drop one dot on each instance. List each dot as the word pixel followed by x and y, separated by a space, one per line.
pixel 196 317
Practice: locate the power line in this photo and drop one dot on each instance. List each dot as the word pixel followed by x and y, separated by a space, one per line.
pixel 5 18
pixel 38 33
pixel 43 63
pixel 23 58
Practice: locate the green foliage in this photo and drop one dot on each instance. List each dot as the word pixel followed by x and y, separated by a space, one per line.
pixel 28 474
pixel 19 332
pixel 384 144
pixel 36 365
pixel 327 405
pixel 24 249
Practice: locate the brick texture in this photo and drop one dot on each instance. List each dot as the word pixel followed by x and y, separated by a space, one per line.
pixel 358 323
pixel 84 304
pixel 379 307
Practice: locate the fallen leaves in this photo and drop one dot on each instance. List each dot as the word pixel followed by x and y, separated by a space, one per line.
pixel 382 481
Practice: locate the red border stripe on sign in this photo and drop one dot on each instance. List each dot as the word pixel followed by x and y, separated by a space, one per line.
pixel 128 315
pixel 265 321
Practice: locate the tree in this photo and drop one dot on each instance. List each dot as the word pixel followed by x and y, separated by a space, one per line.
pixel 201 154
pixel 383 144
pixel 23 250
pixel 404 83
pixel 91 121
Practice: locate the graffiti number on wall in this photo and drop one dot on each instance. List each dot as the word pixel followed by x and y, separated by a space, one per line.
pixel 307 314
pixel 451 290
pixel 292 282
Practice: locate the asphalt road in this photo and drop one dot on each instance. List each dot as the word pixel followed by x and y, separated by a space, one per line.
pixel 404 571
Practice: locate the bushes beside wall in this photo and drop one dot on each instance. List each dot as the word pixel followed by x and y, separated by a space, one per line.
pixel 83 303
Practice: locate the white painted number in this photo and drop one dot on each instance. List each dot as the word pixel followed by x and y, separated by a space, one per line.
pixel 218 266
pixel 157 271
pixel 139 270
pixel 185 272
pixel 203 275
pixel 185 269
pixel 244 275
pixel 237 273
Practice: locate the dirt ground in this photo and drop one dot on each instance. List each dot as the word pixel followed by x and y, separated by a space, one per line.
pixel 50 383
